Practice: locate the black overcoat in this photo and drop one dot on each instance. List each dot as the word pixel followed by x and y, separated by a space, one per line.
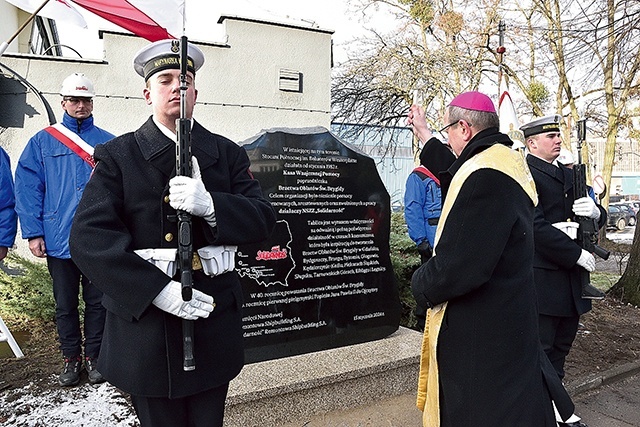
pixel 125 207
pixel 488 353
pixel 557 276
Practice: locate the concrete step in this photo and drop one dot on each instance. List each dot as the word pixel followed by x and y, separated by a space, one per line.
pixel 293 389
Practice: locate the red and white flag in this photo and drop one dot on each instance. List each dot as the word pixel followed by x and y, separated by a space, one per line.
pixel 509 123
pixel 60 10
pixel 150 19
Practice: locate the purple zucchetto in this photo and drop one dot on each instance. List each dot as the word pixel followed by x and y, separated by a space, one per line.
pixel 476 101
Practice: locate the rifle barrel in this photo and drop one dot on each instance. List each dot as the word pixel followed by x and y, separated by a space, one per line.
pixel 185 244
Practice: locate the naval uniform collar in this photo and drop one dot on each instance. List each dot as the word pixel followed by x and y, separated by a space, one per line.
pixel 553 169
pixel 554 162
pixel 166 131
pixel 154 143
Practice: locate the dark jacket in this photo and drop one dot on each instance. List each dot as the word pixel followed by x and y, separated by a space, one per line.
pixel 488 353
pixel 557 276
pixel 125 207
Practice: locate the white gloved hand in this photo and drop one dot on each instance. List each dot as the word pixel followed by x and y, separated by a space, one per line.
pixel 170 300
pixel 190 195
pixel 585 206
pixel 568 228
pixel 587 261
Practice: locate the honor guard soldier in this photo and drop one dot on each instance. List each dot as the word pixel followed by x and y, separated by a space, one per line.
pixel 125 236
pixel 558 258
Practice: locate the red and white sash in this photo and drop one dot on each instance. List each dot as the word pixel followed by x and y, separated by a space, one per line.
pixel 73 141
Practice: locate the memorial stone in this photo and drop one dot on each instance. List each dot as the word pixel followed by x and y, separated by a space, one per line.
pixel 324 279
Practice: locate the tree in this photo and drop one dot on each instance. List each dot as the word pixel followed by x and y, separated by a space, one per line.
pixel 615 50
pixel 437 51
pixel 592 48
pixel 581 56
pixel 593 57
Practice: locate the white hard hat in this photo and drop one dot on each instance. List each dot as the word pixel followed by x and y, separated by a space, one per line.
pixel 77 85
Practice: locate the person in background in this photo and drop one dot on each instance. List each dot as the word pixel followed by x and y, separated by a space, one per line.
pixel 422 197
pixel 423 202
pixel 481 362
pixel 8 218
pixel 124 237
pixel 558 258
pixel 51 175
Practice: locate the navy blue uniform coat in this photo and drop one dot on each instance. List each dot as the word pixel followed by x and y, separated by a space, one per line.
pixel 125 207
pixel 557 276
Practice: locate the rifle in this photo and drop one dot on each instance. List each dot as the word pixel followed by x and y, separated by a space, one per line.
pixel 588 230
pixel 185 244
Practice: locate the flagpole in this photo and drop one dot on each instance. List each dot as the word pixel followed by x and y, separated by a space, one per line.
pixel 5 45
pixel 416 141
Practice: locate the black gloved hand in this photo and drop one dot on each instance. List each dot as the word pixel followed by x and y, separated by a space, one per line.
pixel 425 250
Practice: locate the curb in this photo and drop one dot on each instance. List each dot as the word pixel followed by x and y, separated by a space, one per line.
pixel 609 376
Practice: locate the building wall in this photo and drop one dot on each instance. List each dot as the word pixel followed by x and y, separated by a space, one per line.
pixel 238 92
pixel 250 69
pixel 625 179
pixel 238 86
pixel 10 19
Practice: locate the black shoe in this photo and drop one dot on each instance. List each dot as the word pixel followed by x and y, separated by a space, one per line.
pixel 70 374
pixel 574 424
pixel 90 364
pixel 591 292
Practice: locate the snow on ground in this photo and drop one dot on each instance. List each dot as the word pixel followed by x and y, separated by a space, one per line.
pixel 83 406
pixel 624 236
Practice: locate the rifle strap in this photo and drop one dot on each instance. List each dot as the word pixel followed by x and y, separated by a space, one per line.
pixel 73 142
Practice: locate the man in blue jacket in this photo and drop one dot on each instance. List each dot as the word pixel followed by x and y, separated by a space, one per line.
pixel 50 177
pixel 423 201
pixel 8 218
pixel 422 197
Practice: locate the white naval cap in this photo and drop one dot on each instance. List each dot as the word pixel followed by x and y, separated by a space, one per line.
pixel 163 55
pixel 544 124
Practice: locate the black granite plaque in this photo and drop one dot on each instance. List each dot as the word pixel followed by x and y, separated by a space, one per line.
pixel 324 278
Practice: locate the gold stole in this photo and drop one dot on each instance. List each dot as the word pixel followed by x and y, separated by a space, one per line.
pixel 511 163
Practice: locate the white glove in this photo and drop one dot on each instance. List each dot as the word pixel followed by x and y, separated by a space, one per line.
pixel 587 261
pixel 585 206
pixel 217 259
pixel 568 228
pixel 170 300
pixel 190 195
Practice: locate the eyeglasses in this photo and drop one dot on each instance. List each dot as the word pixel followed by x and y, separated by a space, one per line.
pixel 444 129
pixel 76 101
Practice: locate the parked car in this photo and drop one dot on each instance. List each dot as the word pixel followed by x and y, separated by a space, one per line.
pixel 617 218
pixel 629 209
